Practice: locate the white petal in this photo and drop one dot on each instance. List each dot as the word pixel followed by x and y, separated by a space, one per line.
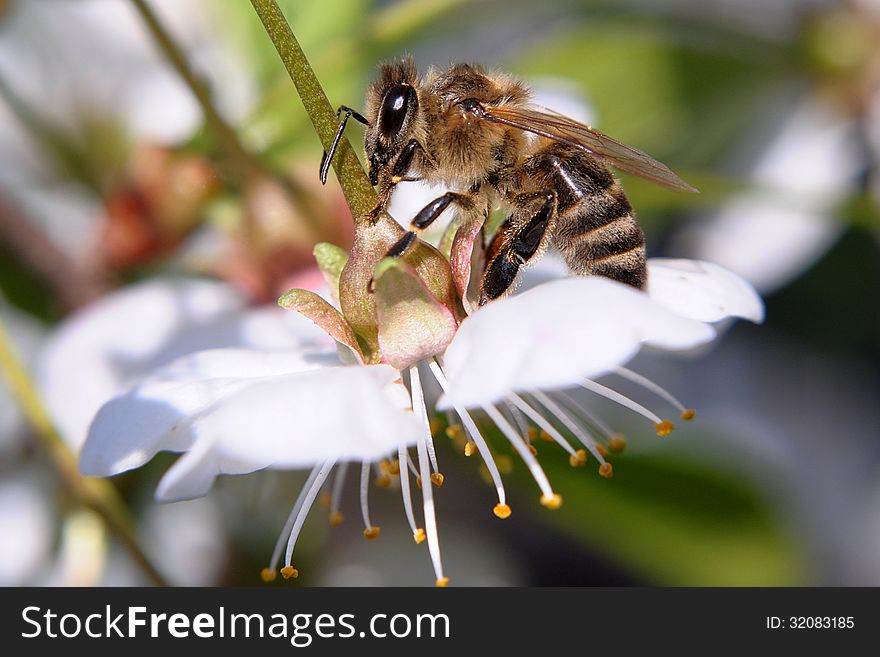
pixel 26 519
pixel 556 334
pixel 294 421
pixel 702 290
pixel 99 351
pixel 155 415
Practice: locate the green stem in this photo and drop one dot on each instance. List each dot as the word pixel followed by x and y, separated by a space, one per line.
pixel 352 178
pixel 97 494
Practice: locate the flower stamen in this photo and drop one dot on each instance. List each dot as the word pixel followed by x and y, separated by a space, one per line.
pixel 336 516
pixel 418 532
pixel 585 438
pixel 474 434
pixel 306 507
pixel 288 524
pixel 686 414
pixel 542 422
pixel 418 400
pixel 663 427
pixel 370 531
pixel 520 446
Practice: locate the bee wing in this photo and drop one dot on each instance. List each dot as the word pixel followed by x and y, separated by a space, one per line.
pixel 561 128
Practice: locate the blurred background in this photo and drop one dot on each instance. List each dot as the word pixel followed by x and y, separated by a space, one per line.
pixel 159 189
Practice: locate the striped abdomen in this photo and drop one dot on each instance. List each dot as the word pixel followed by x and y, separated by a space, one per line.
pixel 596 230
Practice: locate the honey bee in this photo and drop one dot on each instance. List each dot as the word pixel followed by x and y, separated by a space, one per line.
pixel 477 133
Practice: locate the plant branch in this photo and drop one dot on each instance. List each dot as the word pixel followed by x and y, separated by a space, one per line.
pixel 97 494
pixel 352 178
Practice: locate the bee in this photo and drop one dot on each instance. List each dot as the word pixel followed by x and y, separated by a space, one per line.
pixel 478 133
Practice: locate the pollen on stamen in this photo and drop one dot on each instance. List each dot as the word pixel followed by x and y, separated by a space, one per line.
pixel 688 414
pixel 532 433
pixel 434 424
pixel 289 572
pixel 578 459
pixel 533 449
pixel 664 427
pixel 437 479
pixel 617 443
pixel 502 511
pixel 394 467
pixel 442 582
pixel 268 575
pixel 553 501
pixel 336 518
pixel 605 470
pixel 453 431
pixel 371 533
pixel 603 451
pixel 324 501
pixel 546 437
pixel 470 448
pixel 419 535
pixel 383 480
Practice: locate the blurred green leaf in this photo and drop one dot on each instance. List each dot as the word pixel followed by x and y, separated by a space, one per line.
pixel 674 522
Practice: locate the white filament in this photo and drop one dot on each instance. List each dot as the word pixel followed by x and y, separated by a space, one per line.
pixel 306 506
pixel 294 512
pixel 418 399
pixel 542 422
pixel 615 396
pixel 338 482
pixel 365 488
pixel 572 426
pixel 520 446
pixel 474 434
pixel 646 383
pixel 403 456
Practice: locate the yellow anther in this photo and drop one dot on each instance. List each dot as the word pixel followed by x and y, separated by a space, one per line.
pixel 371 533
pixel 533 449
pixel 324 500
pixel 434 425
pixel 617 443
pixel 442 582
pixel 394 467
pixel 603 451
pixel 454 431
pixel 606 470
pixel 336 519
pixel 578 459
pixel 688 414
pixel 664 428
pixel 437 479
pixel 470 448
pixel 268 575
pixel 546 437
pixel 384 466
pixel 419 535
pixel 383 480
pixel 289 572
pixel 553 501
pixel 502 511
pixel 532 433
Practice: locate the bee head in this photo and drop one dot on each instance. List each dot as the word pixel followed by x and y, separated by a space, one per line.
pixel 393 112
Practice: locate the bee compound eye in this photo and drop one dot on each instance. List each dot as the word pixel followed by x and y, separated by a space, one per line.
pixel 395 105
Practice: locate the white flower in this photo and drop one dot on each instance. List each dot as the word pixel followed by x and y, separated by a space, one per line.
pixel 236 411
pixel 102 349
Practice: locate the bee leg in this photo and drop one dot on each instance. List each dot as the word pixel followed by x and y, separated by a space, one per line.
pixel 512 247
pixel 428 214
pixel 327 158
pixel 397 250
